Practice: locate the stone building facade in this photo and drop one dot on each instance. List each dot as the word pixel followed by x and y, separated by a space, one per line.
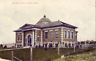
pixel 46 33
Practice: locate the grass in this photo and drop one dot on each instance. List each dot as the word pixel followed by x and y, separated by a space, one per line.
pixel 40 54
pixel 86 56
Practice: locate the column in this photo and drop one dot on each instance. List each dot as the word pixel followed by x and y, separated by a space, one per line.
pixel 62 34
pixel 33 38
pixel 76 35
pixel 41 38
pixel 36 38
pixel 62 37
pixel 22 39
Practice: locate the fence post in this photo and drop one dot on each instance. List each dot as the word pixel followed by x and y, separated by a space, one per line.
pixel 74 47
pixel 31 53
pixel 12 55
pixel 59 48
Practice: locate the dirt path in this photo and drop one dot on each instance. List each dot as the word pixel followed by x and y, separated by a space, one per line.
pixel 4 59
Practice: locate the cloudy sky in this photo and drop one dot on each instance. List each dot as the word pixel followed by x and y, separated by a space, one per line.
pixel 15 13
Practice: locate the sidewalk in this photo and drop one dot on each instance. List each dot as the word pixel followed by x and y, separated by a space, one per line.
pixel 4 59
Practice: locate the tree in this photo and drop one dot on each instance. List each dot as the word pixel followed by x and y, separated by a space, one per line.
pixel 1 46
pixel 5 46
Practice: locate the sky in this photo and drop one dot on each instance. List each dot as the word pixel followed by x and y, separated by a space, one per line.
pixel 15 13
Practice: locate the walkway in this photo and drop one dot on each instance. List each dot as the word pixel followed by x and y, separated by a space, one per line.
pixel 4 59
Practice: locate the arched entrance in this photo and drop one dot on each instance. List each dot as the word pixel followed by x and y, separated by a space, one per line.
pixel 29 39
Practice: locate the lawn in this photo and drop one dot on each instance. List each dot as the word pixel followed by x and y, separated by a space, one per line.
pixel 39 54
pixel 42 54
pixel 86 56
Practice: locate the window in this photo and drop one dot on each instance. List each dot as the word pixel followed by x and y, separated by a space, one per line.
pixel 56 45
pixel 19 36
pixel 38 38
pixel 69 45
pixel 72 35
pixel 65 44
pixel 51 33
pixel 29 40
pixel 72 45
pixel 18 46
pixel 56 34
pixel 46 35
pixel 68 34
pixel 65 34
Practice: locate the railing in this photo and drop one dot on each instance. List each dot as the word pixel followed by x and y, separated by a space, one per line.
pixel 17 59
pixel 12 53
pixel 13 57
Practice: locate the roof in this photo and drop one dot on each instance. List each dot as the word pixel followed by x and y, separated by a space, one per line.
pixel 56 24
pixel 44 23
pixel 26 27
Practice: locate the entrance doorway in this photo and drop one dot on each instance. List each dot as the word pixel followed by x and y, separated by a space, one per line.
pixel 29 39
